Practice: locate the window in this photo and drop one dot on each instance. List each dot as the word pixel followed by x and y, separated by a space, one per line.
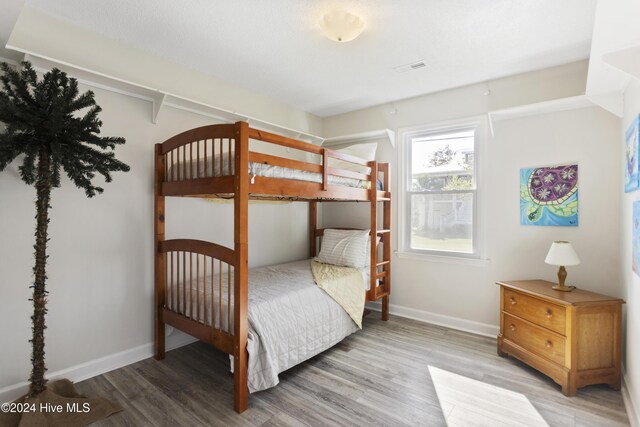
pixel 439 209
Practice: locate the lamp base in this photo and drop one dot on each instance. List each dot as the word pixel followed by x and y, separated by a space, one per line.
pixel 562 275
pixel 563 288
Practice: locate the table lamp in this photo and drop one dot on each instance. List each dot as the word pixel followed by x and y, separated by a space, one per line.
pixel 561 253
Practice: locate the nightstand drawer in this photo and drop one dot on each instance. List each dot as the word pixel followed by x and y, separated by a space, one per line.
pixel 540 312
pixel 534 338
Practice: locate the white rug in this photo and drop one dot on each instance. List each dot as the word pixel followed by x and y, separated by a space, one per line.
pixel 468 402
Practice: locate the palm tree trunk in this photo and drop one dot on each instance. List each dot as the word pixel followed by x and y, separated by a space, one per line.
pixel 43 189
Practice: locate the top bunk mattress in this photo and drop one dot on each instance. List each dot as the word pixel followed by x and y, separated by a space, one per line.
pixel 212 166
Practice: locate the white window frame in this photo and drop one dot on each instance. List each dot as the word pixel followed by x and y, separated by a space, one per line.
pixel 478 256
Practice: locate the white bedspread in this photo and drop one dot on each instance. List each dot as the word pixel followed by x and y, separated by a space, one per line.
pixel 290 319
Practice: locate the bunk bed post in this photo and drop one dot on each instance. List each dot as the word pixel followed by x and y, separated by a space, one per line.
pixel 325 169
pixel 241 283
pixel 313 225
pixel 159 258
pixel 386 241
pixel 373 272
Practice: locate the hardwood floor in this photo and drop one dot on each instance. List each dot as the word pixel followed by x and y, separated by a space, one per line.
pixel 378 376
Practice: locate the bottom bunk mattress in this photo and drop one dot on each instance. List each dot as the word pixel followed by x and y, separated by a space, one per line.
pixel 290 318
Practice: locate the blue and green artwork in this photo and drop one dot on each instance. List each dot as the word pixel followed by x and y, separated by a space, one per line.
pixel 631 158
pixel 549 196
pixel 635 235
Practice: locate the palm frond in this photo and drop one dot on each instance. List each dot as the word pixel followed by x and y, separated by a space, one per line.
pixel 51 116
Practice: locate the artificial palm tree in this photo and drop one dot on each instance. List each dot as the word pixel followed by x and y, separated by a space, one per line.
pixel 51 127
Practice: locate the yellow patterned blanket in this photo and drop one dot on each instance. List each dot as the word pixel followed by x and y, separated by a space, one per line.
pixel 344 284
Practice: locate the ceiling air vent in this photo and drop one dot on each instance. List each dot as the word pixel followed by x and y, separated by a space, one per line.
pixel 409 67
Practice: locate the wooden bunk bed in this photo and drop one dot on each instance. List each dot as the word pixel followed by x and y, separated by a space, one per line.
pixel 215 162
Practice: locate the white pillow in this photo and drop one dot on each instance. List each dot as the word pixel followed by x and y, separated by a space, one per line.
pixel 364 151
pixel 344 247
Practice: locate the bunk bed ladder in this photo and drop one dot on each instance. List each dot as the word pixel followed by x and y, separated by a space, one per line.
pixel 386 241
pixel 380 281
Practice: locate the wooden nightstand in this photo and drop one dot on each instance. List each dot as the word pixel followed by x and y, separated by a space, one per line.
pixel 573 337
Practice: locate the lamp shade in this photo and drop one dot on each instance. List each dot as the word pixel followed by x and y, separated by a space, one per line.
pixel 341 26
pixel 562 253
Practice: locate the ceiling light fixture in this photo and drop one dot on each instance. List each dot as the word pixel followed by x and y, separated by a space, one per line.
pixel 341 26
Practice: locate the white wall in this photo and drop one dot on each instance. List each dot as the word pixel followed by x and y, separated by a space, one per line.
pixel 538 86
pixel 100 265
pixel 630 281
pixel 44 36
pixel 465 295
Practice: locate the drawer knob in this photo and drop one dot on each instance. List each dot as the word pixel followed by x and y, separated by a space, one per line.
pixel 513 301
pixel 549 313
pixel 512 327
pixel 548 344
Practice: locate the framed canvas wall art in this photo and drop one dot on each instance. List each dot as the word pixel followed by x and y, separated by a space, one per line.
pixel 631 157
pixel 549 196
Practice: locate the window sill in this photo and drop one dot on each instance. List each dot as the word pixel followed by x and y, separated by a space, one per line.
pixel 458 260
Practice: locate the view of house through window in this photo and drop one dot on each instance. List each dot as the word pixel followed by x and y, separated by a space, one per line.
pixel 442 190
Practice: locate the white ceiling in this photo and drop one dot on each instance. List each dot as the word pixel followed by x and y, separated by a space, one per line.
pixel 275 47
pixel 10 11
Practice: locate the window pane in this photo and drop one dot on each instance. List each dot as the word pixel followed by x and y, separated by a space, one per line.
pixel 442 222
pixel 443 162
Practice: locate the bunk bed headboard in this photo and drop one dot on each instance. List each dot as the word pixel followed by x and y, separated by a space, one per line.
pixel 199 160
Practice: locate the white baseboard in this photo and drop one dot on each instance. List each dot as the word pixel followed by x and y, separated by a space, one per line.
pixel 99 366
pixel 457 323
pixel 629 400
